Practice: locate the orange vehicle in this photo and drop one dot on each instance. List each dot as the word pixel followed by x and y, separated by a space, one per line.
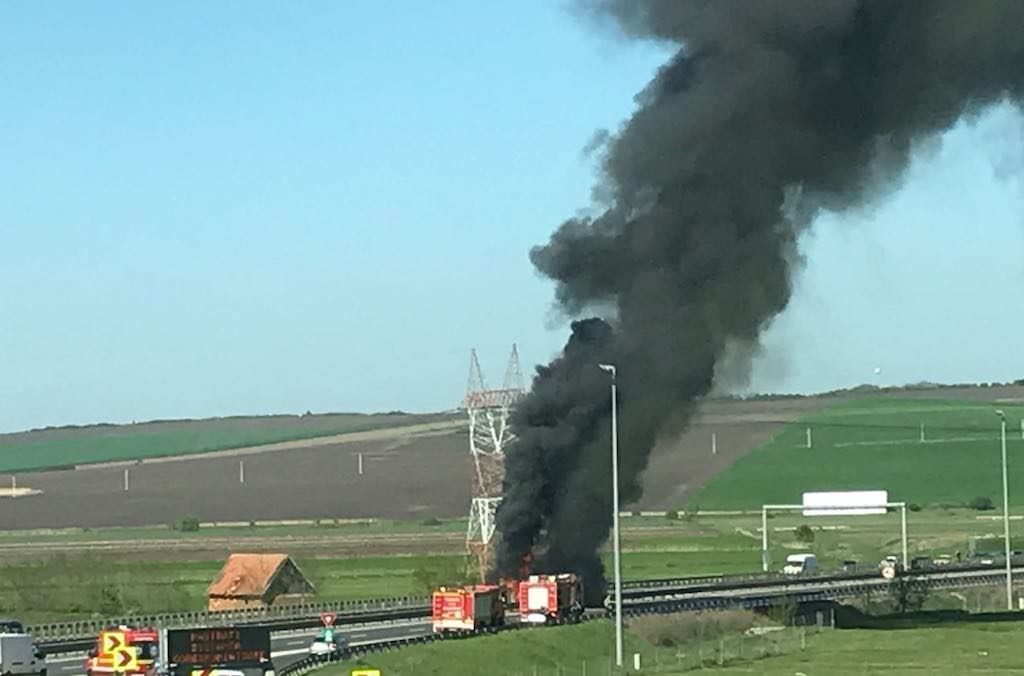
pixel 126 651
pixel 467 609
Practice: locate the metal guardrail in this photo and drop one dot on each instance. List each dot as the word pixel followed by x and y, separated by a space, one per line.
pixel 92 627
pixel 694 580
pixel 797 590
pixel 55 646
pixel 313 662
pixel 641 596
pixel 631 587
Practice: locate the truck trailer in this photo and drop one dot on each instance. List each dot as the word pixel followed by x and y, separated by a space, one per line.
pixel 467 609
pixel 550 599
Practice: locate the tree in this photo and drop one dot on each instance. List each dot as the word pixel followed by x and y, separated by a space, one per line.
pixel 805 534
pixel 907 595
pixel 982 503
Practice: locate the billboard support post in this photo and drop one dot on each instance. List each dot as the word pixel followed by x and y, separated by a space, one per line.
pixel 903 533
pixel 862 507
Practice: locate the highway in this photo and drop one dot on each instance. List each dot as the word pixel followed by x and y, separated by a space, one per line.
pixel 290 646
pixel 755 593
pixel 286 647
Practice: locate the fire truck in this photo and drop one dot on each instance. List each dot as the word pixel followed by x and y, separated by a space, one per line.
pixel 550 599
pixel 467 609
pixel 126 651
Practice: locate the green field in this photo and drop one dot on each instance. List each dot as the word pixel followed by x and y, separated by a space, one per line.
pixel 876 444
pixel 69 587
pixel 78 587
pixel 957 648
pixel 47 585
pixel 68 446
pixel 41 584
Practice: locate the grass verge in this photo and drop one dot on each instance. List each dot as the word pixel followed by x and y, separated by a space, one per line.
pixel 971 648
pixel 580 650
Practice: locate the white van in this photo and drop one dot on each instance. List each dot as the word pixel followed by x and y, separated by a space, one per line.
pixel 800 564
pixel 19 656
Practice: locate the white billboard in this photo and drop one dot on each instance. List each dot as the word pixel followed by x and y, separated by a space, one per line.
pixel 844 503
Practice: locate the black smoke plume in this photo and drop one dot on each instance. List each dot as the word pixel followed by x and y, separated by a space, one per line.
pixel 767 113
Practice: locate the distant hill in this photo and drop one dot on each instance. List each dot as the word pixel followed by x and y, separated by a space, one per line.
pixel 56 447
pixel 865 389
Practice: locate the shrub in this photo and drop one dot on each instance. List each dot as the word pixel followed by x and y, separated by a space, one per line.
pixel 679 628
pixel 432 521
pixel 187 524
pixel 981 503
pixel 671 515
pixel 906 596
pixel 428 576
pixel 914 507
pixel 804 534
pixel 111 600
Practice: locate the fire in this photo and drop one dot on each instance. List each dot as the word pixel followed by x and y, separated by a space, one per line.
pixel 525 564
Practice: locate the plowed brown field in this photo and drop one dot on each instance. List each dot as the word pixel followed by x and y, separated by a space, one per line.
pixel 408 474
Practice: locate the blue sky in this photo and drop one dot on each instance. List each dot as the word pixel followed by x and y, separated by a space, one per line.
pixel 220 208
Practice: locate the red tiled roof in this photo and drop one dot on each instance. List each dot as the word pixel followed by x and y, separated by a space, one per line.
pixel 247 574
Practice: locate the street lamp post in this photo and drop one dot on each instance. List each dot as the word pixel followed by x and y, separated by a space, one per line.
pixel 1006 516
pixel 615 517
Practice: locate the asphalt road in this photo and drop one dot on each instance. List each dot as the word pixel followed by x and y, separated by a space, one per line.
pixel 286 647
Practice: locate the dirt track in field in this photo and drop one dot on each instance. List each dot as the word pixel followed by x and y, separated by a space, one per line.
pixel 200 548
pixel 410 474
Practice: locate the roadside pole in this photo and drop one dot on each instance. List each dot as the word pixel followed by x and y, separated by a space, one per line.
pixel 764 539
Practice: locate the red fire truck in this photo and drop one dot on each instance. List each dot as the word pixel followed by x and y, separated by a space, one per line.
pixel 126 651
pixel 467 609
pixel 550 599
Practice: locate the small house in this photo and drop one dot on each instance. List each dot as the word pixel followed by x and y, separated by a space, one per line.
pixel 258 581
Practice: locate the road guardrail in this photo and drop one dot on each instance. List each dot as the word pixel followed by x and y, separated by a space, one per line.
pixel 65 632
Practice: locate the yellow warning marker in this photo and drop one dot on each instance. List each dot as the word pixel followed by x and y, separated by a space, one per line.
pixel 116 649
pixel 113 641
pixel 366 672
pixel 125 660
